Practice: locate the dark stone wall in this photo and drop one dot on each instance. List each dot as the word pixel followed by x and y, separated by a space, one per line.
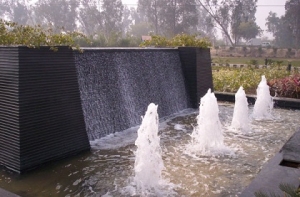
pixel 196 65
pixel 9 108
pixel 117 85
pixel 44 115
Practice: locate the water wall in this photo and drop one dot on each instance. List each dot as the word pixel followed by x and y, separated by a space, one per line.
pixel 116 86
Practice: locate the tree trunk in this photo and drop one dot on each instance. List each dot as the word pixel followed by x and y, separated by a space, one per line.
pixel 225 31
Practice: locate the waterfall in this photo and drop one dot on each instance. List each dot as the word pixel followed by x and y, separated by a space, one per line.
pixel 117 85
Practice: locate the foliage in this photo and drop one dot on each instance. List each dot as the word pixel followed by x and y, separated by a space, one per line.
pixel 35 36
pixel 227 79
pixel 100 40
pixel 179 40
pixel 278 62
pixel 253 62
pixel 169 17
pixel 292 17
pixel 221 61
pixel 230 13
pixel 58 13
pixel 270 61
pixel 261 60
pixel 112 16
pixel 248 30
pixel 206 24
pixel 89 18
pixel 286 87
pixel 285 29
pixel 157 41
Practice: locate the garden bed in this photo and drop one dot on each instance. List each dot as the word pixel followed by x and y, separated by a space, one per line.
pixel 283 83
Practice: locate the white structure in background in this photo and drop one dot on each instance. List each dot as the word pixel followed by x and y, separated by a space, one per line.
pixel 254 42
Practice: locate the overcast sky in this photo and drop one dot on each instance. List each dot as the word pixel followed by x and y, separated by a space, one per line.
pixel 263 9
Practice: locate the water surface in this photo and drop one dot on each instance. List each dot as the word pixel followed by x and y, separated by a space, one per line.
pixel 108 169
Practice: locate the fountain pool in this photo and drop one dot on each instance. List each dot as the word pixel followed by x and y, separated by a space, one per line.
pixel 109 169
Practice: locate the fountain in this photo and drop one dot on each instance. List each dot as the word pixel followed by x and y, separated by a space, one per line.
pixel 240 119
pixel 109 168
pixel 116 164
pixel 264 103
pixel 207 136
pixel 148 161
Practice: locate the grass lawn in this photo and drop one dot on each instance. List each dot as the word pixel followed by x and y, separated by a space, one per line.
pixel 246 60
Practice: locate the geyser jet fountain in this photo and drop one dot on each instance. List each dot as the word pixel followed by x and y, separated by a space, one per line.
pixel 148 160
pixel 240 119
pixel 207 136
pixel 264 104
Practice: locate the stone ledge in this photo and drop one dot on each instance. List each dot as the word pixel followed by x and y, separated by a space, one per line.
pixel 4 193
pixel 252 66
pixel 273 174
pixel 280 102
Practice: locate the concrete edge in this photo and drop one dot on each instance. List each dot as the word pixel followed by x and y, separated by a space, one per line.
pixel 5 193
pixel 281 102
pixel 273 173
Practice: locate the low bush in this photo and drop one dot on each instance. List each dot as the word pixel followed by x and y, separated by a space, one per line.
pixel 253 62
pixel 230 79
pixel 287 86
pixel 12 34
pixel 180 40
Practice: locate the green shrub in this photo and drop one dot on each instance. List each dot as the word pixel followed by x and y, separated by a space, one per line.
pixel 270 61
pixel 179 40
pixel 35 36
pixel 253 62
pixel 221 61
pixel 230 79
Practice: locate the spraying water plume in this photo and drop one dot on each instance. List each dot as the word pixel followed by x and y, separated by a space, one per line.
pixel 264 103
pixel 148 160
pixel 240 119
pixel 207 136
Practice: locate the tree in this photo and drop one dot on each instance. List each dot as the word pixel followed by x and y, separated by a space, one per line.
pixel 58 13
pixel 112 16
pixel 228 13
pixel 272 22
pixel 242 13
pixel 206 24
pixel 219 11
pixel 248 30
pixel 4 8
pixel 139 26
pixel 285 29
pixel 16 11
pixel 284 35
pixel 170 17
pixel 179 16
pixel 150 9
pixel 292 17
pixel 126 20
pixel 90 17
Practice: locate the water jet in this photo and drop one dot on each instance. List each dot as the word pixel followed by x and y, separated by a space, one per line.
pixel 240 119
pixel 264 104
